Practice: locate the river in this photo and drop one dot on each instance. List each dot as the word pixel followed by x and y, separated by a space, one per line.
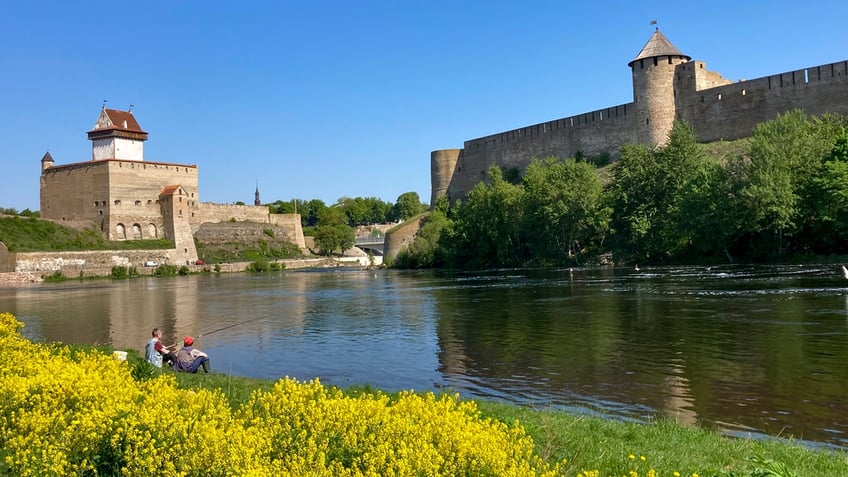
pixel 751 351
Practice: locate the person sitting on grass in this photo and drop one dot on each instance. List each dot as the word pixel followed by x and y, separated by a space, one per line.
pixel 155 352
pixel 189 360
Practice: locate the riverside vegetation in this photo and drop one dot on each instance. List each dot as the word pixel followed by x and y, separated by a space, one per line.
pixel 78 411
pixel 779 195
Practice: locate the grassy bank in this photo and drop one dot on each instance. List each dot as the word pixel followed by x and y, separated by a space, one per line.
pixel 78 411
pixel 615 448
pixel 30 234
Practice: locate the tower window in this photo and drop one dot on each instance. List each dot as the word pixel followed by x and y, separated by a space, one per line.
pixel 117 202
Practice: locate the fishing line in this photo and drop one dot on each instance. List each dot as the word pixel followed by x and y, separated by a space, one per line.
pixel 233 325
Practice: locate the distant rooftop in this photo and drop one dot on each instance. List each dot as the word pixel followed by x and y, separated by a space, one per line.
pixel 112 119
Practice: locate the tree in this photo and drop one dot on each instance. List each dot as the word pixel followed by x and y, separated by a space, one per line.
pixel 330 238
pixel 564 209
pixel 487 229
pixel 647 189
pixel 331 216
pixel 785 156
pixel 408 205
pixel 310 211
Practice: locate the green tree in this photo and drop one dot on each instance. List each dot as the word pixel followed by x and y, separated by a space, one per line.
pixel 330 238
pixel 408 205
pixel 646 192
pixel 785 157
pixel 329 216
pixel 830 198
pixel 565 210
pixel 487 229
pixel 311 211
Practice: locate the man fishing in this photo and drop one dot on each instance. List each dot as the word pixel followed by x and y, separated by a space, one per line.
pixel 155 352
pixel 190 360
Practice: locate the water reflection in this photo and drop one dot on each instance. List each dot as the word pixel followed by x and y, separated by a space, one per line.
pixel 746 349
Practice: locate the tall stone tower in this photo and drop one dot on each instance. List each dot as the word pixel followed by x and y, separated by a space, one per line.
pixel 653 88
pixel 117 135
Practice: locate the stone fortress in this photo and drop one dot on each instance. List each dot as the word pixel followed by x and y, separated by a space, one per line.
pixel 667 86
pixel 128 197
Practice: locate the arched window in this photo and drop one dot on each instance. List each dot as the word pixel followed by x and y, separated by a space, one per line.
pixel 151 231
pixel 120 232
pixel 136 232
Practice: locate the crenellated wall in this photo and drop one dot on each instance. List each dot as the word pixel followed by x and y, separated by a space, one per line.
pixel 120 197
pixel 731 111
pixel 592 133
pixel 210 212
pixel 666 88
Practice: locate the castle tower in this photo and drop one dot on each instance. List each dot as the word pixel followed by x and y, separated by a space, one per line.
pixel 117 135
pixel 47 161
pixel 653 88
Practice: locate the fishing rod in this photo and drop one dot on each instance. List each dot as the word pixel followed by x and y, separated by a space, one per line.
pixel 233 325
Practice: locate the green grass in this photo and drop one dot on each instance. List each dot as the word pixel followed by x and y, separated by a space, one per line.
pixel 590 443
pixel 596 443
pixel 22 234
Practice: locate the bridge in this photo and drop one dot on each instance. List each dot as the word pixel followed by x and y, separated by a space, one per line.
pixel 374 244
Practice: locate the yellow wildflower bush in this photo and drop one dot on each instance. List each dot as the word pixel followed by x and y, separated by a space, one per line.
pixel 320 430
pixel 86 415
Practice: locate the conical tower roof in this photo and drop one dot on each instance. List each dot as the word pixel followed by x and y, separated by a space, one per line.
pixel 658 45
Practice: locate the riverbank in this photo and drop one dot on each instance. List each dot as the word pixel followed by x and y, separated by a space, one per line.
pixel 240 424
pixel 612 447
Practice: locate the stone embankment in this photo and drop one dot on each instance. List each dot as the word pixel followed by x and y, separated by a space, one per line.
pixel 19 277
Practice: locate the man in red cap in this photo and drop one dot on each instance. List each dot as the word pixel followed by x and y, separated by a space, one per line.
pixel 189 360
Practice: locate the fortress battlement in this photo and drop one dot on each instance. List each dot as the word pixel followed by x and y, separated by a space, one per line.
pixel 667 86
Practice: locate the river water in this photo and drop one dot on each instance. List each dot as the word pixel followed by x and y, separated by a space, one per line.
pixel 751 351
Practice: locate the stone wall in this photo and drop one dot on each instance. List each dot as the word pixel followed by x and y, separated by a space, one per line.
pixel 120 197
pixel 234 232
pixel 291 226
pixel 210 212
pixel 592 133
pixel 732 111
pixel 667 89
pixel 7 260
pixel 91 263
pixel 399 238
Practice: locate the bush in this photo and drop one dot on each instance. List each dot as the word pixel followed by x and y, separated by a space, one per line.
pixel 184 270
pixel 119 272
pixel 57 420
pixel 166 270
pixel 56 276
pixel 260 265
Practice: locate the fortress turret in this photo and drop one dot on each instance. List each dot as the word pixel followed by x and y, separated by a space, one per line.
pixel 653 88
pixel 47 161
pixel 117 135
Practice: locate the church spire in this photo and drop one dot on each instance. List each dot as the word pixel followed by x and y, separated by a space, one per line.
pixel 256 200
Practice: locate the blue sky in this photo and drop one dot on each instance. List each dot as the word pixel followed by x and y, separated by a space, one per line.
pixel 330 99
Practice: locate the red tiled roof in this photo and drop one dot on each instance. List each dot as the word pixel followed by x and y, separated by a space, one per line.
pixel 169 190
pixel 121 120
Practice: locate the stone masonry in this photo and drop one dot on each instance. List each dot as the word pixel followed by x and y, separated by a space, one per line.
pixel 667 86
